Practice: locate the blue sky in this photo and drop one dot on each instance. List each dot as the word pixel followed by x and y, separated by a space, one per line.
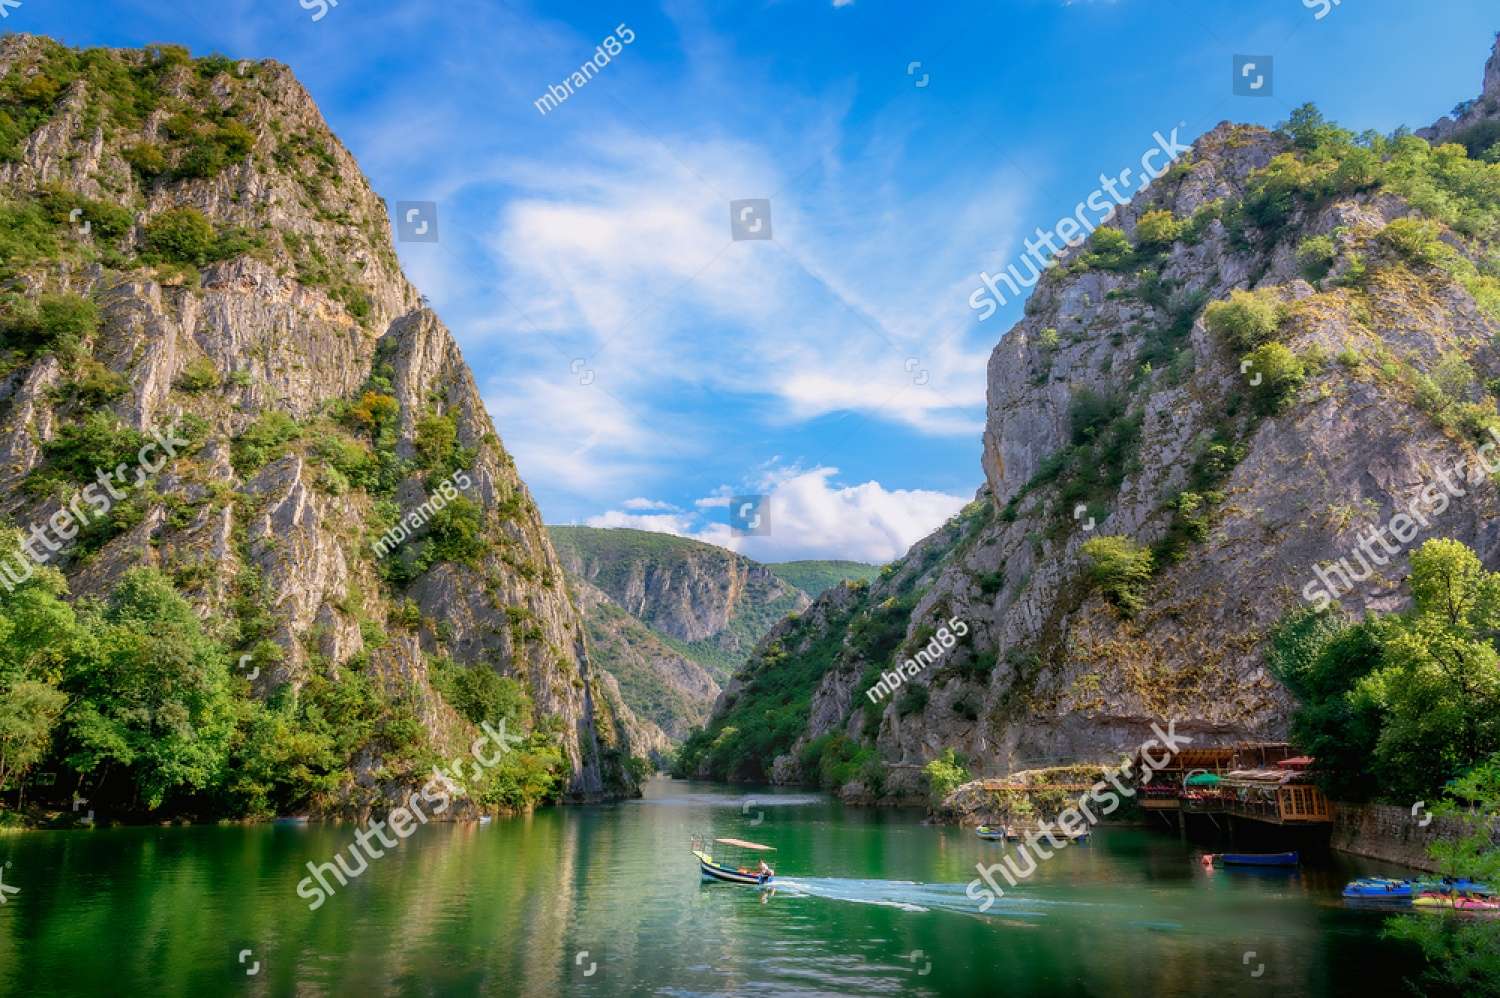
pixel 641 364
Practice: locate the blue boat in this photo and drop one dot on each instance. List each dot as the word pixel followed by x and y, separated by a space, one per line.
pixel 1259 858
pixel 1388 889
pixel 1449 884
pixel 1378 889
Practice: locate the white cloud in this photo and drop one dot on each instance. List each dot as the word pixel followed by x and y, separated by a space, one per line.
pixel 640 503
pixel 813 516
pixel 580 437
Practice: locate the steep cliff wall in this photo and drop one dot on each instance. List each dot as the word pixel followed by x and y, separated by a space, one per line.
pixel 1240 442
pixel 247 291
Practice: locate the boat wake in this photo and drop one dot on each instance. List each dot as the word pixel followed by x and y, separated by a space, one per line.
pixel 907 895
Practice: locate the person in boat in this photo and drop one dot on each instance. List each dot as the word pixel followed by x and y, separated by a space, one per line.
pixel 765 872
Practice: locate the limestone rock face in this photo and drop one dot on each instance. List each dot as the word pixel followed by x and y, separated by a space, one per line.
pixel 669 617
pixel 685 589
pixel 307 313
pixel 666 688
pixel 1244 506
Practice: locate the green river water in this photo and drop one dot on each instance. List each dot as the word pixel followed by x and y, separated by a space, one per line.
pixel 607 900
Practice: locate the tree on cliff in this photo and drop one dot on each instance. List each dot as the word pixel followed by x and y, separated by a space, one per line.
pixel 1400 705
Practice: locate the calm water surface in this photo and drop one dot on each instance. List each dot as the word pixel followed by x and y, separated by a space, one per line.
pixel 607 900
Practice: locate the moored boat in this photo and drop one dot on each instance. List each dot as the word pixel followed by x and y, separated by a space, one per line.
pixel 1449 884
pixel 1451 901
pixel 1435 891
pixel 992 834
pixel 1259 858
pixel 1379 888
pixel 1432 899
pixel 1465 902
pixel 730 866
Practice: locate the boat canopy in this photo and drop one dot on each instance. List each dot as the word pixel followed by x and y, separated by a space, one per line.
pixel 746 845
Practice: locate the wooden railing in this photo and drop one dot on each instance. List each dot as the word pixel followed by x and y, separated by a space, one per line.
pixel 1303 803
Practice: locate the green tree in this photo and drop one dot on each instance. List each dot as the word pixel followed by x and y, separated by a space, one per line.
pixel 29 710
pixel 1438 689
pixel 280 758
pixel 37 631
pixel 480 694
pixel 457 533
pixel 1110 249
pixel 945 774
pixel 151 691
pixel 1121 569
pixel 1276 375
pixel 1320 658
pixel 263 440
pixel 181 235
pixel 54 322
pixel 1316 255
pixel 1157 229
pixel 1414 239
pixel 1309 130
pixel 1245 321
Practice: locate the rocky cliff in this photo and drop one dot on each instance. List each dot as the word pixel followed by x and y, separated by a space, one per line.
pixel 231 274
pixel 663 685
pixel 1267 355
pixel 712 600
pixel 671 617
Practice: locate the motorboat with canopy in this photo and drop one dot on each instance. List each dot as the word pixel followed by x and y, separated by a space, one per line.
pixel 734 861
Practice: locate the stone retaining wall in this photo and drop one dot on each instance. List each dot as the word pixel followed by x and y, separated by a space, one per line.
pixel 1392 834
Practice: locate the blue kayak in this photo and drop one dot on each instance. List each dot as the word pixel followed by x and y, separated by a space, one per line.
pixel 1447 884
pixel 1259 858
pixel 1377 888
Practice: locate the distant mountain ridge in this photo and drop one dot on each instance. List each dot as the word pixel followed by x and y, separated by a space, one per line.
pixel 817 577
pixel 671 618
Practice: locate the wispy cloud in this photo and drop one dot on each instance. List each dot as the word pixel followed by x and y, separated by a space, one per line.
pixel 625 261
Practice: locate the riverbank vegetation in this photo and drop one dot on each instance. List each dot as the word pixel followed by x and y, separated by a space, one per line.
pixel 131 701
